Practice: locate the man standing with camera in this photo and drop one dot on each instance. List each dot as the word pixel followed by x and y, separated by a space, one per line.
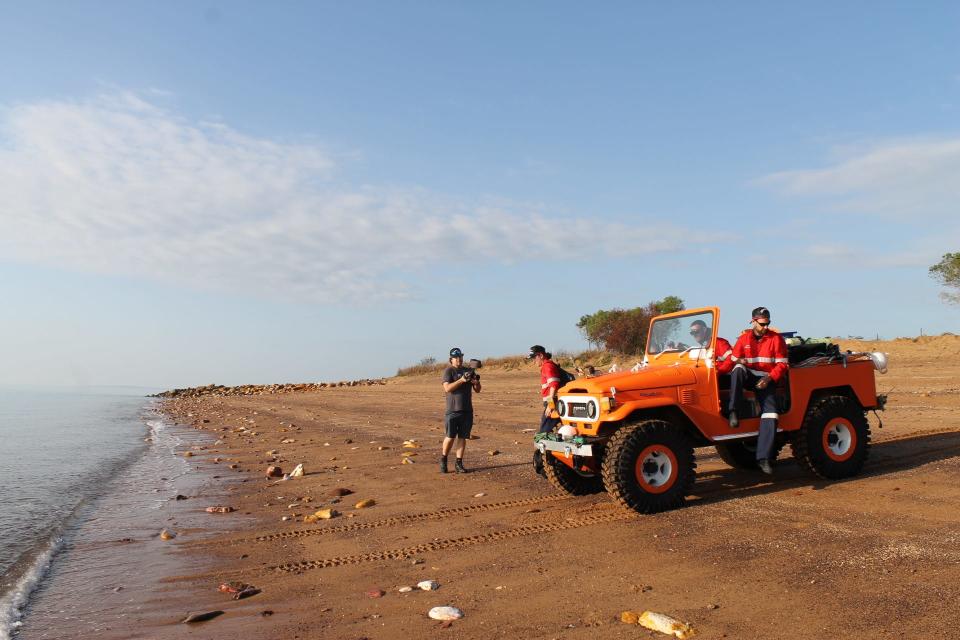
pixel 459 383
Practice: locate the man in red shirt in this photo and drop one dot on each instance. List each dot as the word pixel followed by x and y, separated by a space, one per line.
pixel 760 362
pixel 701 333
pixel 549 383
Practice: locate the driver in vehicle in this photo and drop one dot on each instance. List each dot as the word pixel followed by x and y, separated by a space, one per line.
pixel 760 362
pixel 700 332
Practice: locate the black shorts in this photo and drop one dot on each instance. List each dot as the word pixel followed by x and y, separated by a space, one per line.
pixel 458 425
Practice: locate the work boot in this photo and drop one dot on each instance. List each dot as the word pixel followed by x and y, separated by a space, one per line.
pixel 765 467
pixel 538 464
pixel 458 467
pixel 734 420
pixel 443 464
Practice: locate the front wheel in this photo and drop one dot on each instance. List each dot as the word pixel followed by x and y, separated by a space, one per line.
pixel 649 466
pixel 570 480
pixel 834 440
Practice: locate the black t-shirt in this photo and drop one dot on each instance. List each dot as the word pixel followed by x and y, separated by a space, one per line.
pixel 461 398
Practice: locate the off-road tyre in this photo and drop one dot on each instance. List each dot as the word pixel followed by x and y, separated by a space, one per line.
pixel 741 455
pixel 566 479
pixel 649 466
pixel 834 441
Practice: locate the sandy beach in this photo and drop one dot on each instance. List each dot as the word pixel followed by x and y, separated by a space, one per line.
pixel 748 557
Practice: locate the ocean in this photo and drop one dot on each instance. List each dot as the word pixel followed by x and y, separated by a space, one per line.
pixel 62 453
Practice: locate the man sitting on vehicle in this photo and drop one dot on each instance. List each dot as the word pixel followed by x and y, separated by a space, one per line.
pixel 760 362
pixel 701 333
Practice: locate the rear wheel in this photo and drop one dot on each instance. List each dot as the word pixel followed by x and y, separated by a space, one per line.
pixel 834 441
pixel 566 479
pixel 649 466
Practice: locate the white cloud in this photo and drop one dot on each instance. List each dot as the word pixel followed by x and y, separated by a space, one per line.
pixel 119 185
pixel 913 179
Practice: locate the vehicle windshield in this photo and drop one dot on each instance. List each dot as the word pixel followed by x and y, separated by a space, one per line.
pixel 683 333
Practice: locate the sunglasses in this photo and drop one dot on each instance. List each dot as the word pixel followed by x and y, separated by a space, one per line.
pixel 763 324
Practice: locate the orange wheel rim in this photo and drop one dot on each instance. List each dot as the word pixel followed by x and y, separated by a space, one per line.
pixel 839 439
pixel 656 468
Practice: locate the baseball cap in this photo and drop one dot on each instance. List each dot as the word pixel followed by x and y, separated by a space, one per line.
pixel 535 350
pixel 456 353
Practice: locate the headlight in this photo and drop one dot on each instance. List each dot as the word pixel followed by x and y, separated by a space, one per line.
pixel 608 403
pixel 592 409
pixel 561 407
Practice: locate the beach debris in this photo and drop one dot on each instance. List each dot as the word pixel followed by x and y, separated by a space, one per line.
pixel 659 622
pixel 322 514
pixel 428 585
pixel 405 589
pixel 246 593
pixel 376 593
pixel 407 461
pixel 287 441
pixel 493 452
pixel 201 617
pixel 445 613
pixel 166 534
pixel 266 612
pixel 363 504
pixel 274 472
pixel 188 454
pixel 411 444
pixel 338 492
pixel 180 496
pixel 219 509
pixel 233 586
pixel 297 471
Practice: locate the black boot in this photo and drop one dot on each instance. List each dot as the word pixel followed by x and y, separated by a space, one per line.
pixel 443 464
pixel 458 467
pixel 765 467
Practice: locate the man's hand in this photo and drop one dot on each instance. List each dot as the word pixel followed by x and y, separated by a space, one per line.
pixel 763 382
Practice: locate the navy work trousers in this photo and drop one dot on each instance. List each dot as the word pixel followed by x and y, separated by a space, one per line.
pixel 742 379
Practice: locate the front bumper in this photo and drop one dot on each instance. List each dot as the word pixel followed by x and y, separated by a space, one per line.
pixel 568 449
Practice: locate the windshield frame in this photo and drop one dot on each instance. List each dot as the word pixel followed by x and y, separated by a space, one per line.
pixel 679 316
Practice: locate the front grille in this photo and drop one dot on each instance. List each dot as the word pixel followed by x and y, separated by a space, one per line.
pixel 578 409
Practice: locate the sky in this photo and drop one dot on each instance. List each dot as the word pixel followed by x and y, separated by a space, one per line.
pixel 239 192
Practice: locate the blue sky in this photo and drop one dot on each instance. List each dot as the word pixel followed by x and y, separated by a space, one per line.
pixel 252 192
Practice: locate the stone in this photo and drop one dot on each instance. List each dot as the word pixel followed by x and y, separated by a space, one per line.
pixel 407 461
pixel 167 535
pixel 219 509
pixel 297 471
pixel 180 496
pixel 322 514
pixel 201 617
pixel 445 613
pixel 246 593
pixel 493 452
pixel 274 472
pixel 376 593
pixel 188 454
pixel 629 617
pixel 287 441
pixel 428 585
pixel 405 589
pixel 363 504
pixel 338 492
pixel 665 624
pixel 479 495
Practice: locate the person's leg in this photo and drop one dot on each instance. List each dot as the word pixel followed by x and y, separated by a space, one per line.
pixel 450 433
pixel 768 423
pixel 738 380
pixel 463 433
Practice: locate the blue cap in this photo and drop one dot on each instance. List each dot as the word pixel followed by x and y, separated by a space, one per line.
pixel 456 353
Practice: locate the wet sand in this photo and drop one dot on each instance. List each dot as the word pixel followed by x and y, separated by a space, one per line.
pixel 748 557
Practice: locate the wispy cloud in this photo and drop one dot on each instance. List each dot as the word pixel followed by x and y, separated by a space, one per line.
pixel 117 184
pixel 914 179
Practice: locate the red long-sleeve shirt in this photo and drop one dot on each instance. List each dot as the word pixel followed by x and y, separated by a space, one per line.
pixel 767 354
pixel 549 379
pixel 722 359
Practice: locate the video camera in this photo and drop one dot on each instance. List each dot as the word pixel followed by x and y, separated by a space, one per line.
pixel 471 373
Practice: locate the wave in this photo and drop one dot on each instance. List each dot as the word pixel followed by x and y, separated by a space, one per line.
pixel 14 600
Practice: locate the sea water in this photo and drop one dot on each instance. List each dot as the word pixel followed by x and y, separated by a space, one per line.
pixel 60 451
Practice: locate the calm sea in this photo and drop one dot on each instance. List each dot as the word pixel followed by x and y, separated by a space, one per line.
pixel 59 453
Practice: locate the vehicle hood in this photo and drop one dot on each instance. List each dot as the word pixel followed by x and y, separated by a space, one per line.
pixel 647 378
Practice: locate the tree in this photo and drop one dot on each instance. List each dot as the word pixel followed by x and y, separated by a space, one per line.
pixel 625 330
pixel 947 272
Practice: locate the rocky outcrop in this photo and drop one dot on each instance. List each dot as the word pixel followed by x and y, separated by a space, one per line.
pixel 263 389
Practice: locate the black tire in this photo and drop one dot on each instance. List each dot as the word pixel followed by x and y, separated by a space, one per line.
pixel 566 479
pixel 659 443
pixel 742 454
pixel 834 441
pixel 538 464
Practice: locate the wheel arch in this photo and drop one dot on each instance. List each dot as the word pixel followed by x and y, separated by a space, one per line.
pixel 668 413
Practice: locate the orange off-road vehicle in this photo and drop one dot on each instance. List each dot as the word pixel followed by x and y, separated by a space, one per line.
pixel 634 433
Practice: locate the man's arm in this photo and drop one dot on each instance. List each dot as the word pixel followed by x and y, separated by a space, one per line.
pixel 781 361
pixel 452 384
